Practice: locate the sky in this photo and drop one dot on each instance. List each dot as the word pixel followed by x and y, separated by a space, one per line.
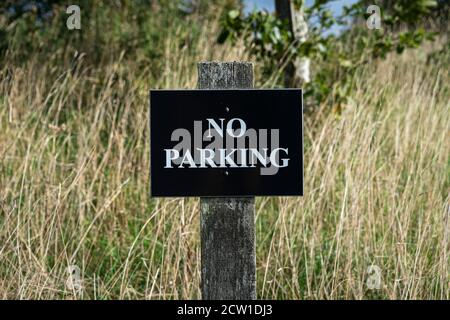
pixel 335 6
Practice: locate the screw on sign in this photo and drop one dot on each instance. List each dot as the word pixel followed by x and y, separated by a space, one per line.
pixel 226 143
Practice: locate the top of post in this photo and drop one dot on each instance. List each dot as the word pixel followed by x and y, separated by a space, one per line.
pixel 225 75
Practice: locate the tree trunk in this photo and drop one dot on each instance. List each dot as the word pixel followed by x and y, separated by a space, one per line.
pixel 297 72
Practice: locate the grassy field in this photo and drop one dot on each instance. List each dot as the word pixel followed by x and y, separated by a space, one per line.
pixel 74 183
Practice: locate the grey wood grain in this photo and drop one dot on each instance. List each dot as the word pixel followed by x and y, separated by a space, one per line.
pixel 227 225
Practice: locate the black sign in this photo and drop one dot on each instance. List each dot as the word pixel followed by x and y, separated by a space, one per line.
pixel 243 142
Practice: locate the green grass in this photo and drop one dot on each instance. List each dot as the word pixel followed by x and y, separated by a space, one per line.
pixel 74 176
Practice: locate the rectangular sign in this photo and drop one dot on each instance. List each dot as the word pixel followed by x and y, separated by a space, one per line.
pixel 226 143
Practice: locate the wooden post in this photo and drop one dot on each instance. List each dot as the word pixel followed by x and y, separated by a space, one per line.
pixel 227 225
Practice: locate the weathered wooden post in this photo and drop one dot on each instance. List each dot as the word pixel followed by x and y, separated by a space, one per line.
pixel 226 143
pixel 227 225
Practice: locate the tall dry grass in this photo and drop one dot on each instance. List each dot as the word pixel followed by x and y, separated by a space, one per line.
pixel 74 185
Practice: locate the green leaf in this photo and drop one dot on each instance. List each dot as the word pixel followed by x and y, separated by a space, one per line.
pixel 345 63
pixel 233 14
pixel 400 48
pixel 223 36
